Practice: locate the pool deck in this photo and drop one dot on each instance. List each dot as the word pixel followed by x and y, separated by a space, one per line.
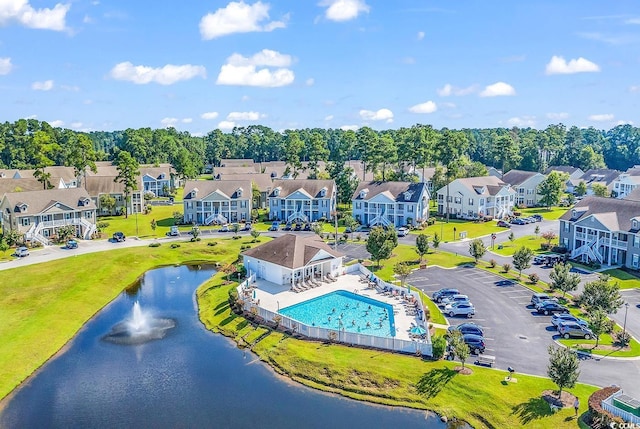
pixel 274 297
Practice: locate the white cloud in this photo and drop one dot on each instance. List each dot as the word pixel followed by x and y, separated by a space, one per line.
pixel 420 35
pixel 87 20
pixel 449 89
pixel 310 81
pixel 57 123
pixel 187 120
pixel 379 115
pixel 344 10
pixel 166 75
pixel 328 117
pixel 5 66
pixel 522 121
pixel 42 19
pixel 622 122
pixel 227 125
pixel 557 116
pixel 209 115
pixel 350 127
pixel 169 122
pixel 426 107
pixel 243 71
pixel 239 17
pixel 632 88
pixel 558 65
pixel 603 117
pixel 46 85
pixel 498 89
pixel 245 116
pixel 76 125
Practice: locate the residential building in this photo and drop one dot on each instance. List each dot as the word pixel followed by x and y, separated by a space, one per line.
pixel 492 171
pixel 158 179
pixel 237 162
pixel 603 176
pixel 19 185
pixel 217 201
pixel 298 200
pixel 219 172
pixel 525 183
pixel 633 195
pixel 103 181
pixel 390 203
pixel 626 182
pixel 603 230
pixel 262 182
pixel 39 214
pixel 572 172
pixel 475 197
pixel 292 258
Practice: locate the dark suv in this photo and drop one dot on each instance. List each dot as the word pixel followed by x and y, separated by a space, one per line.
pixel 440 294
pixel 551 307
pixel 119 237
pixel 467 328
pixel 475 343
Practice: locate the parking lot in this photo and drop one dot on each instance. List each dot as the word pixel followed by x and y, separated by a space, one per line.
pixel 514 333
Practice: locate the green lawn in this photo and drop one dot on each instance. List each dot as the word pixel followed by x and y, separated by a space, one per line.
pixel 44 305
pixel 605 347
pixel 483 398
pixel 510 247
pixel 552 214
pixel 472 229
pixel 624 279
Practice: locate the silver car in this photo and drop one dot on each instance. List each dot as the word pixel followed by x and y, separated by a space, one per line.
pixel 461 308
pixel 574 329
pixel 453 298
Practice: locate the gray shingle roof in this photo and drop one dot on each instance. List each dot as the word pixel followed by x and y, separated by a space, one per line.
pixel 517 177
pixel 310 186
pixel 227 187
pixel 395 190
pixel 613 213
pixel 37 201
pixel 19 185
pixel 291 250
pixel 262 181
pixel 600 175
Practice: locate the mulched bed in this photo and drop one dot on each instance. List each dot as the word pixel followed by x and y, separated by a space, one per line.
pixel 566 400
pixel 465 371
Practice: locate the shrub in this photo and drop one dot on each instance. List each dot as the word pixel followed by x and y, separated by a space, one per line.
pixel 506 268
pixel 431 221
pixel 438 345
pixel 623 338
pixel 154 244
pixel 212 243
pixel 174 245
pixel 358 237
pixel 545 246
pixel 492 263
pixel 102 226
pixel 193 239
pixel 597 415
pixel 236 237
pixel 559 249
pixel 533 278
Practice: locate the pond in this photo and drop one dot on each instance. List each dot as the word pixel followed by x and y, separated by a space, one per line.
pixel 189 378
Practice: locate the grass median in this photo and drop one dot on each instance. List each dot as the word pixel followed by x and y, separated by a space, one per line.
pixel 45 305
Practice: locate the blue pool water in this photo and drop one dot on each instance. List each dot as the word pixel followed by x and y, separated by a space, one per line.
pixel 342 310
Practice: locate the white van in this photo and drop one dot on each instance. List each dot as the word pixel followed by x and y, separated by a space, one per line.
pixel 174 232
pixel 21 252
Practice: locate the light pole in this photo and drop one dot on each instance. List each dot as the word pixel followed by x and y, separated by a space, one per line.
pixel 624 325
pixel 136 221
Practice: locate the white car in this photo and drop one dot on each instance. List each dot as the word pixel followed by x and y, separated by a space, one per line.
pixel 402 231
pixel 174 232
pixel 22 252
pixel 453 299
pixel 462 308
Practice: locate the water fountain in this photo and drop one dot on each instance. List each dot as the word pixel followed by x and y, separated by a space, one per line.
pixel 140 328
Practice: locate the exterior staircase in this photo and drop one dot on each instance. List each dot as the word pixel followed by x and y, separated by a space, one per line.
pixel 217 218
pixel 380 219
pixel 298 215
pixel 591 250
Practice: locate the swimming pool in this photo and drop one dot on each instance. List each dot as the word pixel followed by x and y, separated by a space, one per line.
pixel 342 310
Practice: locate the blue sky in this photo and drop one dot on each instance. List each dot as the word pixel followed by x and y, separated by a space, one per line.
pixel 114 64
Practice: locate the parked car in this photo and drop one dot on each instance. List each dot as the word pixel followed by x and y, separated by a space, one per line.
pixel 537 217
pixel 274 226
pixel 460 309
pixel 348 230
pixel 551 307
pixel 72 244
pixel 363 228
pixel 21 252
pixel 307 227
pixel 573 329
pixel 453 298
pixel 287 227
pixel 246 227
pixel 174 232
pixel 402 231
pixel 224 228
pixel 475 343
pixel 560 318
pixel 298 227
pixel 538 260
pixel 539 297
pixel 119 236
pixel 440 294
pixel 517 221
pixel 467 328
pixel 503 224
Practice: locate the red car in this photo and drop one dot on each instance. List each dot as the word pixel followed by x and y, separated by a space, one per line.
pixel 503 224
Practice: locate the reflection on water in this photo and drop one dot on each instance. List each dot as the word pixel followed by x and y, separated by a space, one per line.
pixel 190 378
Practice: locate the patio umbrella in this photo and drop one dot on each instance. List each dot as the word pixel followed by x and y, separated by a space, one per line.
pixel 418 330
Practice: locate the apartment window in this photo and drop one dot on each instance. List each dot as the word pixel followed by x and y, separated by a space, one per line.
pixel 470 201
pixel 449 199
pixel 510 197
pixel 636 241
pixel 243 204
pixel 324 203
pixel 410 206
pixel 636 261
pixel 189 205
pixel 521 190
pixel 400 206
pixel 440 197
pixel 529 202
pixel 481 201
pixel 358 205
pixel 565 226
pixel 25 221
pixel 282 203
pixel 529 191
pixel 458 200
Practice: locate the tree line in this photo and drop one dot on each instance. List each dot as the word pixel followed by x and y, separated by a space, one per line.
pixel 29 143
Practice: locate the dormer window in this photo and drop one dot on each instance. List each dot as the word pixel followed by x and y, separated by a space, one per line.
pixel 274 174
pixel 574 213
pixel 239 192
pixel 635 224
pixel 363 193
pixel 276 191
pixel 194 192
pixel 323 192
pixel 83 202
pixel 22 208
pixel 162 176
pixel 407 195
